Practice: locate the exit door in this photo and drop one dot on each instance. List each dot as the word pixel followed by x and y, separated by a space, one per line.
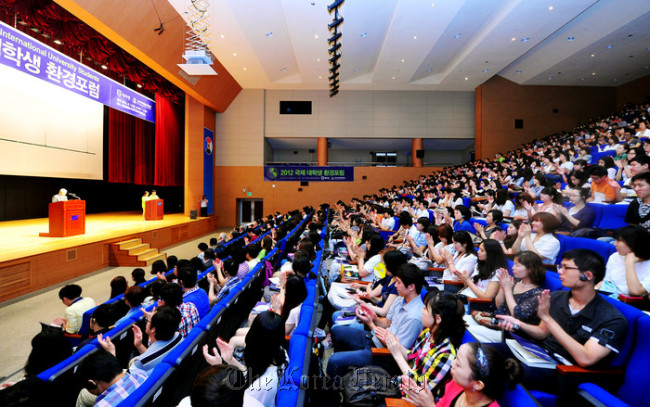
pixel 249 209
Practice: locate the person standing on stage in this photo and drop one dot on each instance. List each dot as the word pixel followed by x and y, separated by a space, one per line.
pixel 204 206
pixel 145 198
pixel 153 195
pixel 61 196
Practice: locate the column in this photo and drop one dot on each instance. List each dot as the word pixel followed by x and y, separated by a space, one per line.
pixel 322 151
pixel 418 145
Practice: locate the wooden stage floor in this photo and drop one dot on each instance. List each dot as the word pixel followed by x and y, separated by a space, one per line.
pixel 20 238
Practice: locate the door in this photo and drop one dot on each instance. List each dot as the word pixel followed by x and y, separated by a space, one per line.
pixel 248 210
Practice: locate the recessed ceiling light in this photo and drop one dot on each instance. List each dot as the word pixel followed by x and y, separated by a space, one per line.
pixel 356 69
pixel 402 59
pixel 456 36
pixel 104 67
pixel 525 39
pixel 549 78
pixel 316 36
pixel 234 54
pixel 429 70
pixel 551 8
pixel 58 42
pixel 433 4
pixel 415 37
pixel 518 70
pixel 269 34
pixel 571 38
pixel 320 76
pixel 485 70
pixel 139 85
pixel 593 73
pixel 393 77
pixel 363 35
pixel 34 29
pixel 284 68
pixel 222 36
pixel 245 69
pixel 593 55
pixel 466 78
pixel 608 47
pixel 513 39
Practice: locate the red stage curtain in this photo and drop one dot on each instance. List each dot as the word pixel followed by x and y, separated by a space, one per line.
pixel 169 143
pixel 144 150
pixel 120 147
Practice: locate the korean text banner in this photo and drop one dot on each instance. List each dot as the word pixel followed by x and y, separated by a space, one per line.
pixel 27 55
pixel 301 173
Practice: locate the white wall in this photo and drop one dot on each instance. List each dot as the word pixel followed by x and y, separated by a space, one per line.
pixel 255 114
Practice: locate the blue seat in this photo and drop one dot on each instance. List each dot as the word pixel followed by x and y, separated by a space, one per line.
pixel 518 396
pixel 552 282
pixel 635 390
pixel 603 248
pixel 467 202
pixel 613 216
pixel 187 348
pixel 598 209
pixel 70 363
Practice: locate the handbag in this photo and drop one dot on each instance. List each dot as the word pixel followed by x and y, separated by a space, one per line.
pixel 369 386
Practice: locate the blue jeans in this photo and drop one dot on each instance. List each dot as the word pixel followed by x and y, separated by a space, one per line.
pixel 351 349
pixel 356 324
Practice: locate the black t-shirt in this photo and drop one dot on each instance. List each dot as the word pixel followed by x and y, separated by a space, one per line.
pixel 633 217
pixel 599 320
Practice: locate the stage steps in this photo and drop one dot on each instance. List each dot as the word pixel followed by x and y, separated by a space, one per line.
pixel 133 253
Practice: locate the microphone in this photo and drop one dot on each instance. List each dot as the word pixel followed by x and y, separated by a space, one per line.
pixel 73 195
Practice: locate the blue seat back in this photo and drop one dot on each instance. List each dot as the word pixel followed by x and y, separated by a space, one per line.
pixel 518 396
pixel 632 315
pixel 636 387
pixel 553 282
pixel 598 209
pixel 613 216
pixel 603 248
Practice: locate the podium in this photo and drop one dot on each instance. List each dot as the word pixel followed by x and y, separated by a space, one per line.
pixel 67 218
pixel 154 209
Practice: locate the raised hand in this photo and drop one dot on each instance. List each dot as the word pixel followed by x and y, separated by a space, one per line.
pixel 506 281
pixel 212 358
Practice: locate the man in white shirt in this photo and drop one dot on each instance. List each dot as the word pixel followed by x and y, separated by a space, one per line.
pixel 61 196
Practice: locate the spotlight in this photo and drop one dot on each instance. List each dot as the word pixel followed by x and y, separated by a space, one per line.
pixel 335 5
pixel 334 38
pixel 335 58
pixel 335 47
pixel 334 25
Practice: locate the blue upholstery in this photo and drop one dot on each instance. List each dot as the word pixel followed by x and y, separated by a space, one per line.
pixel 602 248
pixel 635 390
pixel 304 323
pixel 467 202
pixel 481 222
pixel 632 315
pixel 613 216
pixel 187 348
pixel 69 363
pixel 517 397
pixel 553 282
pixel 598 209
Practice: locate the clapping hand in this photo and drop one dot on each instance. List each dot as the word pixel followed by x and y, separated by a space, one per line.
pixel 106 343
pixel 499 235
pixel 461 275
pixel 420 395
pixel 392 343
pixel 505 279
pixel 544 305
pixel 212 358
pixel 524 229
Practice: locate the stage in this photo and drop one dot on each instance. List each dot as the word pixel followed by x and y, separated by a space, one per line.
pixel 29 262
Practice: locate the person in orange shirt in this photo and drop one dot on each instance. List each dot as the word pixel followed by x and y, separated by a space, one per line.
pixel 603 189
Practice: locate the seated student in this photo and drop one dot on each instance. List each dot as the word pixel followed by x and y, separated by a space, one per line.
pixel 202 248
pixel 153 292
pixel 415 243
pixel 493 218
pixel 538 237
pixel 444 233
pixel 431 357
pixel 159 268
pixel 352 346
pixel 162 330
pixel 172 295
pixel 252 252
pixel 387 220
pixel 638 213
pixel 76 305
pixel 522 202
pixel 138 276
pixel 49 347
pixel 238 255
pixel 465 258
pixel 133 298
pixel 483 282
pixel 209 258
pixel 264 355
pixel 462 215
pixel 603 189
pixel 217 386
pixel 107 385
pixel 479 373
pixel 504 203
pixel 518 295
pixel 118 286
pixel 192 293
pixel 628 270
pixel 101 321
pixel 579 216
pixel 405 224
pixel 267 246
pixel 578 324
pixel 383 292
pixel 224 279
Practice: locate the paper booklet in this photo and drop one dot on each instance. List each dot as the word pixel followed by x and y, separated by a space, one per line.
pixel 530 353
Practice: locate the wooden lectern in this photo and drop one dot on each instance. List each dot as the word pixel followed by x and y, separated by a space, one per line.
pixel 67 218
pixel 154 209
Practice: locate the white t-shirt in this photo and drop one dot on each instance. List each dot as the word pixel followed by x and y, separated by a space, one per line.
pixel 611 173
pixel 465 263
pixel 441 246
pixel 615 273
pixel 548 246
pixel 388 223
pixel 508 206
pixel 369 266
pixel 421 213
pixel 262 391
pixel 482 284
pixel 294 317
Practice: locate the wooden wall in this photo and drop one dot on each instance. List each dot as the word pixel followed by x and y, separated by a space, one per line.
pixel 28 274
pixel 637 91
pixel 229 183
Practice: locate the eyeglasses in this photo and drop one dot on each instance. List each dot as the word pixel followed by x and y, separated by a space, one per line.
pixel 563 267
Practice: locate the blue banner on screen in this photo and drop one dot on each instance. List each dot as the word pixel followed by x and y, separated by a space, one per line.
pixel 22 52
pixel 298 173
pixel 208 166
